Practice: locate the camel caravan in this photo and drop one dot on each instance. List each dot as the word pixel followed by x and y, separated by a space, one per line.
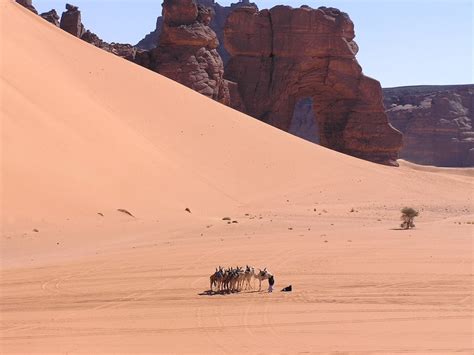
pixel 238 279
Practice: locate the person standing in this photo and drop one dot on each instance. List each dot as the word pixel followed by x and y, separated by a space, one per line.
pixel 271 282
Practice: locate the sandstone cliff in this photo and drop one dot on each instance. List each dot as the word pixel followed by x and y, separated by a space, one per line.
pixel 282 55
pixel 436 122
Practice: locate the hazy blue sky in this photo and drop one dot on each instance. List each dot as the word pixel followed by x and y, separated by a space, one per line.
pixel 402 42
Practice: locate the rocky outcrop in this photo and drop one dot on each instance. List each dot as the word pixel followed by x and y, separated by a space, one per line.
pixel 28 4
pixel 71 21
pixel 150 41
pixel 125 51
pixel 219 17
pixel 187 50
pixel 51 16
pixel 436 122
pixel 282 55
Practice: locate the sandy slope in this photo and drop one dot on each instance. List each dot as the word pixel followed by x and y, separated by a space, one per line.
pixel 85 132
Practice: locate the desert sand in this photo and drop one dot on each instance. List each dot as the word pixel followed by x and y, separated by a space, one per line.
pixel 85 133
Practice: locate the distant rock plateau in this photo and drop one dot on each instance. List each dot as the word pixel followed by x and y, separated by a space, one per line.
pixel 436 122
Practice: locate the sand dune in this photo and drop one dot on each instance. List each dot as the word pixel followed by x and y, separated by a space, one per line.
pixel 85 132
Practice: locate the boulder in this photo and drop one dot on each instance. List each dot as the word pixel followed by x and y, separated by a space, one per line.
pixel 180 12
pixel 70 7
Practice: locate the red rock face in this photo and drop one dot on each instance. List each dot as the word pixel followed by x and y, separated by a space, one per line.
pixel 180 12
pixel 436 122
pixel 187 50
pixel 282 55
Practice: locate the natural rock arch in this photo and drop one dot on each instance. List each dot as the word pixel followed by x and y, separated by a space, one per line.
pixel 303 121
pixel 281 55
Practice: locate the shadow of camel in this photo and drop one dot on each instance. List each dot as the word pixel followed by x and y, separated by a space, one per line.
pixel 401 229
pixel 224 293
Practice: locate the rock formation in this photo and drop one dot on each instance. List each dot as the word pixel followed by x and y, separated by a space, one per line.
pixel 51 16
pixel 187 50
pixel 436 122
pixel 219 17
pixel 71 21
pixel 28 4
pixel 150 41
pixel 126 51
pixel 282 55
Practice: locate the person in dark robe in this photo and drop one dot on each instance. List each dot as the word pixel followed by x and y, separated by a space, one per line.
pixel 271 282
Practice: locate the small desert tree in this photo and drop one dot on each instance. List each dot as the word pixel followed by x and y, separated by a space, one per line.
pixel 408 217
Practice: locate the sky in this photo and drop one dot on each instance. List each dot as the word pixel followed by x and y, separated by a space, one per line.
pixel 402 42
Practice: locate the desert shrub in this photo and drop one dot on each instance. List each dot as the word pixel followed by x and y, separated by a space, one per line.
pixel 408 217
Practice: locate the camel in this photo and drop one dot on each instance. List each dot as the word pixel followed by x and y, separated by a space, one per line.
pixel 248 275
pixel 217 278
pixel 262 275
pixel 236 279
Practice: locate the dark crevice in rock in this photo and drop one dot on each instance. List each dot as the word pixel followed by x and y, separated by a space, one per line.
pixel 272 55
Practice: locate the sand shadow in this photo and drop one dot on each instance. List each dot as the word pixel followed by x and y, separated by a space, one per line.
pixel 224 293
